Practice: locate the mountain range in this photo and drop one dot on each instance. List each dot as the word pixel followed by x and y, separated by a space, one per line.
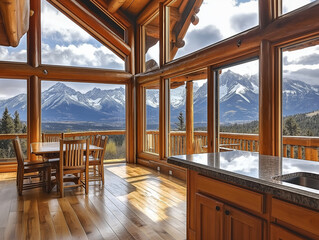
pixel 239 96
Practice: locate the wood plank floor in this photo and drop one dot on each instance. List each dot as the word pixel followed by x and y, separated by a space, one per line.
pixel 135 203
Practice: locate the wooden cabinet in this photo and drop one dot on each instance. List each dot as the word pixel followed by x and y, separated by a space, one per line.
pixel 216 221
pixel 279 233
pixel 208 218
pixel 239 225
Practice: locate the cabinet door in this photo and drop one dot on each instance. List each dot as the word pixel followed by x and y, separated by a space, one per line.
pixel 278 233
pixel 208 218
pixel 241 226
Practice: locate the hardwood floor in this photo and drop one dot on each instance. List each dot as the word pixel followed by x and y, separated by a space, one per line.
pixel 135 203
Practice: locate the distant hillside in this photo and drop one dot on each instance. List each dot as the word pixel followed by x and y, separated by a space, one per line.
pixel 307 124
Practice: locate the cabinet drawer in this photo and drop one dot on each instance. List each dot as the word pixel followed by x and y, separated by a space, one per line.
pixel 295 215
pixel 240 196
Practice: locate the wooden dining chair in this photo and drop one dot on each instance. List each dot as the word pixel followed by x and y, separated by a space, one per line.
pixel 52 138
pixel 30 174
pixel 98 161
pixel 73 165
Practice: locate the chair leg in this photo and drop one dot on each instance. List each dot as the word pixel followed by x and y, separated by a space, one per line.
pixel 86 180
pixel 102 173
pixel 20 183
pixel 48 179
pixel 61 188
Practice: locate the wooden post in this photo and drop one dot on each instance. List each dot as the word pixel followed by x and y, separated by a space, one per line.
pixel 164 119
pixel 212 111
pixel 34 111
pixel 130 122
pixel 269 102
pixel 189 118
pixel 34 83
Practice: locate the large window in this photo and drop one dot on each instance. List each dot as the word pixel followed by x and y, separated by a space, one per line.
pixel 151 139
pixel 83 107
pixel 13 118
pixel 216 20
pixel 239 107
pixel 65 43
pixel 300 100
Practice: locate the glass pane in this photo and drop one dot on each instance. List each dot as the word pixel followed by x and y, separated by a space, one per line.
pixel 300 100
pixel 15 54
pixel 177 131
pixel 239 107
pixel 290 5
pixel 13 118
pixel 152 119
pixel 200 115
pixel 83 108
pixel 65 43
pixel 151 31
pixel 215 21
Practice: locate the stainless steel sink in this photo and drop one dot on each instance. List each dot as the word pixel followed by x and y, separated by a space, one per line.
pixel 308 180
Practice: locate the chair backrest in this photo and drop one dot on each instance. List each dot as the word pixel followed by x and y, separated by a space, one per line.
pixel 18 150
pixel 102 144
pixel 96 142
pixel 72 153
pixel 52 137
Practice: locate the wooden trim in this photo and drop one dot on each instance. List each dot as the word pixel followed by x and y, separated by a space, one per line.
pixel 75 11
pixel 237 195
pixel 130 122
pixel 79 74
pixel 177 172
pixel 34 111
pixel 189 118
pixel 212 113
pixel 64 73
pixel 265 12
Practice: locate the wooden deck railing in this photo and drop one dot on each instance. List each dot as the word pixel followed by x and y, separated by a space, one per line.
pixel 300 147
pixel 9 160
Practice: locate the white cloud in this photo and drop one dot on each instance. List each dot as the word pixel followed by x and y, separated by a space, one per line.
pixel 12 87
pixel 81 55
pixel 302 64
pixel 290 5
pixel 227 17
pixel 54 22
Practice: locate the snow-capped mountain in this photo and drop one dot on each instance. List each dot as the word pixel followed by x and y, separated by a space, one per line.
pixel 238 94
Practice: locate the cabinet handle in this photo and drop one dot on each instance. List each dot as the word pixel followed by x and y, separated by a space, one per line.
pixel 217 208
pixel 227 212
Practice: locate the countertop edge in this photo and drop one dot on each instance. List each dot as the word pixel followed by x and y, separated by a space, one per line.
pixel 294 195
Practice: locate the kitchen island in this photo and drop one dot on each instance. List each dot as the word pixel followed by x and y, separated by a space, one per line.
pixel 244 195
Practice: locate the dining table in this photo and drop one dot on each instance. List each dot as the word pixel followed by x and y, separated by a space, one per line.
pixel 50 152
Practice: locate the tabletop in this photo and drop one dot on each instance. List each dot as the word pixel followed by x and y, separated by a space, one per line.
pixel 40 148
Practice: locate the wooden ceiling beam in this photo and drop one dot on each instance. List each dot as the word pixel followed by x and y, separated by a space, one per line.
pixel 114 5
pixel 119 17
pixel 15 20
pixel 92 25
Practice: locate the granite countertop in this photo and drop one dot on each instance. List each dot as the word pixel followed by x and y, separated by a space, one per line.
pixel 257 172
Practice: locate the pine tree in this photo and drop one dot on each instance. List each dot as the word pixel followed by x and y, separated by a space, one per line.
pixel 7 124
pixel 291 128
pixel 181 122
pixel 6 127
pixel 17 123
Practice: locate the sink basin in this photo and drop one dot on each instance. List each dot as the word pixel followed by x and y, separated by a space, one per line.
pixel 308 180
